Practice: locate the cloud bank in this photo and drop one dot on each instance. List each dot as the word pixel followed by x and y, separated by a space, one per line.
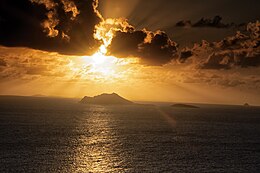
pixel 154 48
pixel 240 50
pixel 73 27
pixel 67 27
pixel 63 26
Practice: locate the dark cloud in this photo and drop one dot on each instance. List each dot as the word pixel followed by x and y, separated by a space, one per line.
pixel 158 49
pixel 125 44
pixel 218 61
pixel 61 26
pixel 226 60
pixel 184 23
pixel 67 27
pixel 240 50
pixel 152 48
pixel 247 59
pixel 235 53
pixel 215 22
pixel 184 55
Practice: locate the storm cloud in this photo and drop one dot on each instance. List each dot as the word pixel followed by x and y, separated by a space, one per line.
pixel 61 26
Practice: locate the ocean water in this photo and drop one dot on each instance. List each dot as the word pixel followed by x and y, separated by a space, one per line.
pixel 60 135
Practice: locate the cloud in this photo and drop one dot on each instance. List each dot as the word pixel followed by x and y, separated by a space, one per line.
pixel 240 50
pixel 24 63
pixel 21 63
pixel 184 55
pixel 184 23
pixel 61 26
pixel 125 44
pixel 217 61
pixel 68 26
pixel 224 79
pixel 231 83
pixel 73 27
pixel 69 6
pixel 153 48
pixel 215 22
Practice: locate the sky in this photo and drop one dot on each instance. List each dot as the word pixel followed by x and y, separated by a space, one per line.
pixel 145 50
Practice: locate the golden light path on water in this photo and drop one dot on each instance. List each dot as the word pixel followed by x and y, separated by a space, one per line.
pixel 99 143
pixel 99 149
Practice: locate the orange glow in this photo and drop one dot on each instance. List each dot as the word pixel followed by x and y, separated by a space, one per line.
pixel 105 30
pixel 103 66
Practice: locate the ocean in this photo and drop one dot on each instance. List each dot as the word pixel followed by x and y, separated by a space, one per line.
pixel 40 134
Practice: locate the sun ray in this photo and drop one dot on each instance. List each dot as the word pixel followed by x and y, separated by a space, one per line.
pixel 100 63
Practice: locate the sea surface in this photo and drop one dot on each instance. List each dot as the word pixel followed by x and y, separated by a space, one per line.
pixel 61 135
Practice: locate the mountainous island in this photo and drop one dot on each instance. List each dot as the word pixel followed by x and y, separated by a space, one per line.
pixel 184 106
pixel 106 99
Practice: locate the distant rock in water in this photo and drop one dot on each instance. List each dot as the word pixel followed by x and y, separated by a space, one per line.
pixel 106 99
pixel 183 106
pixel 246 105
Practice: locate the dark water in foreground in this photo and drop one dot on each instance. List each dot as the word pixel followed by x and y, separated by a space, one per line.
pixel 59 135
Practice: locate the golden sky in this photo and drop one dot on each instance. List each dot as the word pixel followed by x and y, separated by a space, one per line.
pixel 139 64
pixel 32 72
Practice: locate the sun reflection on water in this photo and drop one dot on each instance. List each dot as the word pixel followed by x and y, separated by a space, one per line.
pixel 99 149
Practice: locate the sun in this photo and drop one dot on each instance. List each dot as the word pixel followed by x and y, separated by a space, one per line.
pixel 106 67
pixel 102 64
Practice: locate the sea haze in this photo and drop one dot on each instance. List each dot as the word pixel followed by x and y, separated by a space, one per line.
pixel 39 134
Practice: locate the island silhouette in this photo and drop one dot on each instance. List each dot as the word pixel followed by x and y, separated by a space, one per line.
pixel 106 99
pixel 246 105
pixel 179 105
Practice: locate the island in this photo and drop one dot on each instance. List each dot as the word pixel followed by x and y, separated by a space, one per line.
pixel 246 105
pixel 106 99
pixel 184 106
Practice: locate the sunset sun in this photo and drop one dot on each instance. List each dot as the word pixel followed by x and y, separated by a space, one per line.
pixel 104 65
